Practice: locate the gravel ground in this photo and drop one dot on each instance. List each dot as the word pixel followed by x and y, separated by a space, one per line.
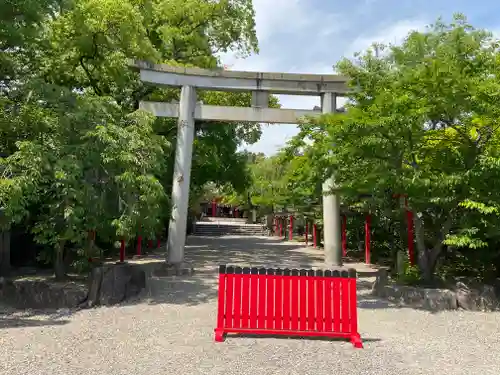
pixel 170 330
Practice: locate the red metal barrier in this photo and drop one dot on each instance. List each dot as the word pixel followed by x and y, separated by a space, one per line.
pixel 287 302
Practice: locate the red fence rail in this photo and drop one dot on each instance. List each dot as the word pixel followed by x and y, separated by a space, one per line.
pixel 287 302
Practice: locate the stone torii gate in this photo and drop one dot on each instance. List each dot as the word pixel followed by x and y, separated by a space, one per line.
pixel 328 87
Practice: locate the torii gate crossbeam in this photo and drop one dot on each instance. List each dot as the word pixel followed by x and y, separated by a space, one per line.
pixel 328 87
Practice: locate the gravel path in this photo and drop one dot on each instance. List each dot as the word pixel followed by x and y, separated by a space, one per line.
pixel 170 331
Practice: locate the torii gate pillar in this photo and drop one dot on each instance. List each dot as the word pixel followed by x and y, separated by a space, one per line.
pixel 182 176
pixel 331 204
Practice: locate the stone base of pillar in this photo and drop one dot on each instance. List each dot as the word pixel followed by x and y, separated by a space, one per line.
pixel 333 267
pixel 167 269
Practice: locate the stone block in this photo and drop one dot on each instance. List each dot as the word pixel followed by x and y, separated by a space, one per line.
pixel 473 296
pixel 166 270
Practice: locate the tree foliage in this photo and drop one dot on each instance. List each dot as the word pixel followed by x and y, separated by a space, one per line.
pixel 422 121
pixel 77 155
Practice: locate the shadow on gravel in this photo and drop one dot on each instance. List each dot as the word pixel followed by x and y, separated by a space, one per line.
pixel 187 290
pixel 307 338
pixel 205 254
pixel 20 323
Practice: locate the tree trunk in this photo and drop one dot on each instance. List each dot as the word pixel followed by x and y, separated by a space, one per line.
pixel 59 266
pixel 428 257
pixel 90 244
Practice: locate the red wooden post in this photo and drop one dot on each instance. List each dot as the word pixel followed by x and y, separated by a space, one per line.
pixel 214 208
pixel 281 227
pixel 411 249
pixel 315 239
pixel 290 232
pixel 139 245
pixel 344 235
pixel 122 250
pixel 368 220
pixel 150 244
pixel 158 242
pixel 307 233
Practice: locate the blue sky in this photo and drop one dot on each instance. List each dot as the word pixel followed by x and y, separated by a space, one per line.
pixel 310 36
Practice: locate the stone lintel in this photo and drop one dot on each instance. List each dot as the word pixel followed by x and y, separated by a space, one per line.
pixel 231 114
pixel 229 80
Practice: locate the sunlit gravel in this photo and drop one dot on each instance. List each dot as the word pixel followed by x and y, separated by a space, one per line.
pixel 170 331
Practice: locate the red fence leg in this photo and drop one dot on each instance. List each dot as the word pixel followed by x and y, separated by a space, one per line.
pixel 307 233
pixel 261 317
pixel 368 220
pixel 328 304
pixel 290 234
pixel 281 227
pixel 336 304
pixel 303 303
pixel 344 235
pixel 245 306
pixel 294 301
pixel 311 300
pixel 287 297
pixel 237 298
pixel 219 331
pixel 271 296
pixel 122 250
pixel 278 303
pixel 353 313
pixel 254 291
pixel 345 320
pixel 315 239
pixel 320 301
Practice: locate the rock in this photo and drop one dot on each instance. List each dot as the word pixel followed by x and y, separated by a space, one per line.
pixel 439 299
pixel 29 293
pixel 476 297
pixel 423 298
pixel 165 269
pixel 95 281
pixel 112 284
pixel 381 280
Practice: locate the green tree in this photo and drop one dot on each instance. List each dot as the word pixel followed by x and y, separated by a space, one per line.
pixel 423 121
pixel 76 155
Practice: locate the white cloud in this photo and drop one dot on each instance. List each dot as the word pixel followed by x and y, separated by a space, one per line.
pixel 292 16
pixel 296 36
pixel 393 34
pixel 282 15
